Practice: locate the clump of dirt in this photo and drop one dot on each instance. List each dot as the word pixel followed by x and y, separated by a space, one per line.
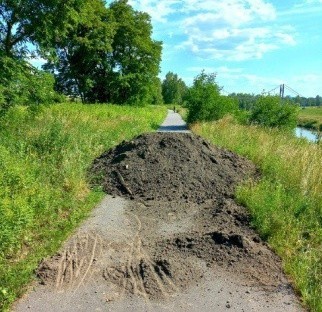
pixel 183 217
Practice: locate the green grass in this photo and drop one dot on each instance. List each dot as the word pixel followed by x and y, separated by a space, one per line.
pixel 44 192
pixel 311 118
pixel 286 204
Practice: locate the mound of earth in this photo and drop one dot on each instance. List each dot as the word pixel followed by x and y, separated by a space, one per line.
pixel 171 166
pixel 183 217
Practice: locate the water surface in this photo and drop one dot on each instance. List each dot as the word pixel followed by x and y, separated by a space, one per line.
pixel 311 136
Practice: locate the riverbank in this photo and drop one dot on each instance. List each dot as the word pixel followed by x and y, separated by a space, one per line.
pixel 286 203
pixel 310 118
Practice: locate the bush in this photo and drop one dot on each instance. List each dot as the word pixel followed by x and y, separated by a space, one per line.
pixel 271 111
pixel 205 102
pixel 22 84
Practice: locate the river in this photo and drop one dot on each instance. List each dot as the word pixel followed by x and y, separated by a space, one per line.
pixel 308 134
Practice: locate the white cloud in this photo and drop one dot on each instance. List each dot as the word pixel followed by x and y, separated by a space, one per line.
pixel 233 30
pixel 158 10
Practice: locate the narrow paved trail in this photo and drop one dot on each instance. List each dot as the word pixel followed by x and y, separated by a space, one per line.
pixel 173 123
pixel 109 264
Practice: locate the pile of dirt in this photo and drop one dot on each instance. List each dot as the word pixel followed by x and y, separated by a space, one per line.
pixel 183 217
pixel 170 166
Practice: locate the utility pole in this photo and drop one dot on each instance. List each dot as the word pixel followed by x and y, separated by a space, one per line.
pixel 282 87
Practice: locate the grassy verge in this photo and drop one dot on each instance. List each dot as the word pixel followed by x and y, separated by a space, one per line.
pixel 286 204
pixel 43 187
pixel 311 118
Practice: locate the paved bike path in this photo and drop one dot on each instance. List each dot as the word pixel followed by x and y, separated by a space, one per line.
pixel 173 123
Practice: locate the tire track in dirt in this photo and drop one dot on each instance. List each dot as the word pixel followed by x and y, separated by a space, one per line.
pixel 131 277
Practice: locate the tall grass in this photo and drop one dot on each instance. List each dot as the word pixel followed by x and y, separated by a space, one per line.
pixel 286 204
pixel 44 157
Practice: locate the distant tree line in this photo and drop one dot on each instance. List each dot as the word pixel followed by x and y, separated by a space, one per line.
pixel 94 52
pixel 246 101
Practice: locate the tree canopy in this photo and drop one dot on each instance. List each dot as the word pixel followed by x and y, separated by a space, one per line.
pixel 174 89
pixel 95 52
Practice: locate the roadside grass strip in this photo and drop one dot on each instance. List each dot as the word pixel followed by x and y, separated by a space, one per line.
pixel 286 202
pixel 44 191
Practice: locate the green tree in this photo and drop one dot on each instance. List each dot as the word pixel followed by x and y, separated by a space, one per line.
pixel 38 22
pixel 23 84
pixel 25 24
pixel 245 100
pixel 135 60
pixel 174 89
pixel 15 28
pixel 79 57
pixel 98 53
pixel 205 102
pixel 271 111
pixel 108 55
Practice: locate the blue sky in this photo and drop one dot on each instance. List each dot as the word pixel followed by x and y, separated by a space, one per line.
pixel 252 45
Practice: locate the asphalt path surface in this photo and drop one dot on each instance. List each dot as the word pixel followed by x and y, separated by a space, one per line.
pixel 110 225
pixel 173 123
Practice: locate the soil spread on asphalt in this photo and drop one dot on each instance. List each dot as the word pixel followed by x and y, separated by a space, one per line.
pixel 181 189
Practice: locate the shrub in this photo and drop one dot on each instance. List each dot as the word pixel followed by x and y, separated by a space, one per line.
pixel 271 111
pixel 205 102
pixel 22 84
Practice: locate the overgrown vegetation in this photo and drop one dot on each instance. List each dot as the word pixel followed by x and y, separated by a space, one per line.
pixel 286 203
pixel 44 156
pixel 22 84
pixel 205 103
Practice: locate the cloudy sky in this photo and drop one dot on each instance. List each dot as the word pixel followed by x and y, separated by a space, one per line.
pixel 252 45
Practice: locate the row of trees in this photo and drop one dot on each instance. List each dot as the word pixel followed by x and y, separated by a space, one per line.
pixel 246 101
pixel 97 53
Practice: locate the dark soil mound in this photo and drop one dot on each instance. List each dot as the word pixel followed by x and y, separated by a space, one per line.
pixel 169 166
